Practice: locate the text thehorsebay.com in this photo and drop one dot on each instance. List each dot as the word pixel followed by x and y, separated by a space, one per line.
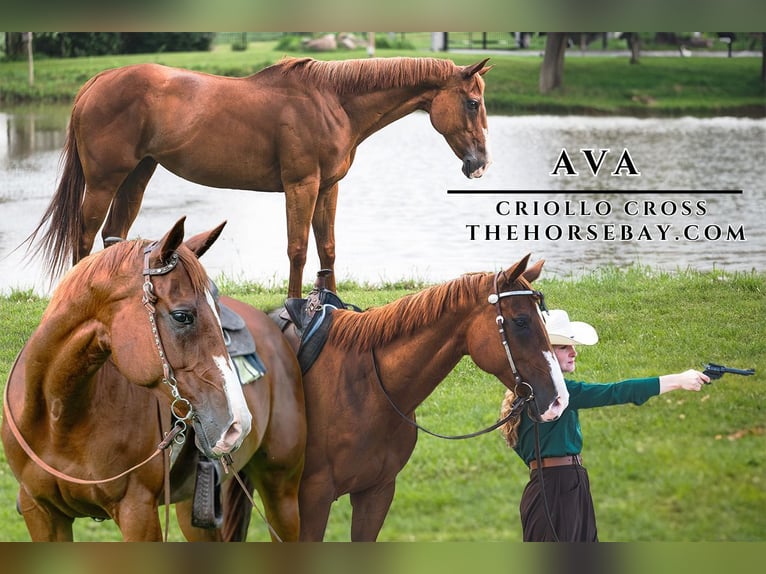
pixel 627 214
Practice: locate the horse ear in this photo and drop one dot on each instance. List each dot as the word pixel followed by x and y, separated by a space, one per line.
pixel 477 68
pixel 201 242
pixel 533 272
pixel 515 271
pixel 168 244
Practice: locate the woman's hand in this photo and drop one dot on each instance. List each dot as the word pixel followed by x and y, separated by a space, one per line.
pixel 690 380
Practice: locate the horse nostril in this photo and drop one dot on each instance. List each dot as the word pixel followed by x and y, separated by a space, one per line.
pixel 554 410
pixel 234 432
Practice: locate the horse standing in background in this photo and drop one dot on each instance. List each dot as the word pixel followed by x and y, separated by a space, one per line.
pixel 293 127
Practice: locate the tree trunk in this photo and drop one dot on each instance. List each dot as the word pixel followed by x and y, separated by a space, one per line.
pixel 763 59
pixel 552 70
pixel 14 45
pixel 30 58
pixel 634 43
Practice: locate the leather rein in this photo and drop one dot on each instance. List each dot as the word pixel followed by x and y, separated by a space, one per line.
pixel 519 402
pixel 177 433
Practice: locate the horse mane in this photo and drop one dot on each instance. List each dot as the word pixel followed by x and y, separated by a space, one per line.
pixel 363 75
pixel 380 325
pixel 109 261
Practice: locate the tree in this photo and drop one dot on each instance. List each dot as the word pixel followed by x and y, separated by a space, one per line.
pixel 634 43
pixel 14 45
pixel 763 59
pixel 30 58
pixel 552 70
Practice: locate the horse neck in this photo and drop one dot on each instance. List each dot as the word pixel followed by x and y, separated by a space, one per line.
pixel 413 366
pixel 374 110
pixel 61 357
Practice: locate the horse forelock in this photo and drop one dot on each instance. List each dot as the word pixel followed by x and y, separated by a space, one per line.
pixel 380 325
pixel 362 75
pixel 117 260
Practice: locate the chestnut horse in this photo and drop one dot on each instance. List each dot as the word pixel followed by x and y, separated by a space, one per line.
pixel 272 455
pixel 357 442
pixel 293 127
pixel 131 338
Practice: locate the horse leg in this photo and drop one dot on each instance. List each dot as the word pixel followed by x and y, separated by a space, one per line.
pixel 95 205
pixel 369 510
pixel 192 533
pixel 127 201
pixel 138 521
pixel 300 201
pixel 314 501
pixel 45 524
pixel 324 231
pixel 279 492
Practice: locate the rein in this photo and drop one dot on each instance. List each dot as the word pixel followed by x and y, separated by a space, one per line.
pixel 165 443
pixel 516 407
pixel 519 402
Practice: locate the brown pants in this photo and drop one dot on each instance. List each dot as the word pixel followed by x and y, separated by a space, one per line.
pixel 567 489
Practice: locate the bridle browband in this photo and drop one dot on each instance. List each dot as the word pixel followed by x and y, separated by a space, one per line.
pixel 518 403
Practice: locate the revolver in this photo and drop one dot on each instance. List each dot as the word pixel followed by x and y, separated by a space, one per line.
pixel 717 371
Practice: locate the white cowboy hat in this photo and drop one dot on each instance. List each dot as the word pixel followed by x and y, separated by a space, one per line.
pixel 562 331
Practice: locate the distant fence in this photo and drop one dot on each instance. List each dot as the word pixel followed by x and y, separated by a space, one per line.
pixel 233 37
pixel 487 40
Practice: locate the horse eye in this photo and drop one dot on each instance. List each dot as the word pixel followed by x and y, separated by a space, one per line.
pixel 182 317
pixel 472 105
pixel 520 321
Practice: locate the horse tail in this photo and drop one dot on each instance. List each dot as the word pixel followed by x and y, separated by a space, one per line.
pixel 237 511
pixel 63 217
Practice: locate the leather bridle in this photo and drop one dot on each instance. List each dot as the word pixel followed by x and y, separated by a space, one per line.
pixel 495 299
pixel 179 403
pixel 519 402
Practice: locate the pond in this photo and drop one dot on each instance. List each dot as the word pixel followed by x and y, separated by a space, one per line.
pixel 668 193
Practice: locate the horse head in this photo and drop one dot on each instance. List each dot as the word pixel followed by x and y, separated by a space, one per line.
pixel 520 355
pixel 173 334
pixel 458 113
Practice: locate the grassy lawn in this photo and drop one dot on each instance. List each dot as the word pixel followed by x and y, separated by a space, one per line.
pixel 668 86
pixel 682 467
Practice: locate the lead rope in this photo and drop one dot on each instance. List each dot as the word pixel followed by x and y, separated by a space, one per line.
pixel 58 474
pixel 539 458
pixel 226 461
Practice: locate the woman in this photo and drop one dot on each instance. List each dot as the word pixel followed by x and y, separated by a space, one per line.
pixel 567 489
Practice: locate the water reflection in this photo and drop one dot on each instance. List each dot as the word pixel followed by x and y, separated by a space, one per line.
pixel 29 130
pixel 396 220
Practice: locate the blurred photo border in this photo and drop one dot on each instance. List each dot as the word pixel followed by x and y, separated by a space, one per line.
pixel 428 15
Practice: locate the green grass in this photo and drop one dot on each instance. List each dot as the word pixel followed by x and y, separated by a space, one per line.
pixel 669 86
pixel 682 467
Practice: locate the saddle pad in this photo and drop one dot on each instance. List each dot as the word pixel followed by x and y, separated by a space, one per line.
pixel 250 368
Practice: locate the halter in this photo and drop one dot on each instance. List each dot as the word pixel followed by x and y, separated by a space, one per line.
pixel 149 299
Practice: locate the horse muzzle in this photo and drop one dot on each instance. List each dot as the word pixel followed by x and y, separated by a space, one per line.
pixel 474 167
pixel 229 440
pixel 555 409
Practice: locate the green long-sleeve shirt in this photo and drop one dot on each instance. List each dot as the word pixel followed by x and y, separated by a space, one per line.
pixel 563 436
